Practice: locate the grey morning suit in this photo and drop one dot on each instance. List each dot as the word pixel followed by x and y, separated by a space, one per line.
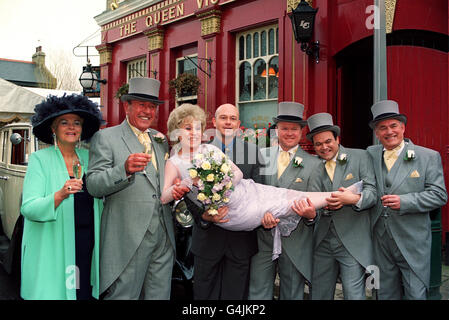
pixel 342 238
pixel 137 244
pixel 295 261
pixel 402 238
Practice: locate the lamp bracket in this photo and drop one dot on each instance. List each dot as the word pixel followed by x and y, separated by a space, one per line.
pixel 312 49
pixel 209 64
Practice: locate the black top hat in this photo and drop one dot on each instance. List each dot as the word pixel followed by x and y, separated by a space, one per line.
pixel 321 122
pixel 143 89
pixel 386 109
pixel 290 112
pixel 53 106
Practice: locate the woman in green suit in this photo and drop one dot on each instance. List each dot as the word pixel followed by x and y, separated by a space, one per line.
pixel 60 237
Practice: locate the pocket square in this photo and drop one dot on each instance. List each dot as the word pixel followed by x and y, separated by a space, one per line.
pixel 298 180
pixel 349 177
pixel 166 156
pixel 415 174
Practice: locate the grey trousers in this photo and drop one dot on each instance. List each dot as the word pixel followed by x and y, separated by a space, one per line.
pixel 263 273
pixel 331 259
pixel 397 279
pixel 149 272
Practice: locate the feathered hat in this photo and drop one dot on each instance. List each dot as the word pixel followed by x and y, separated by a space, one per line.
pixel 52 107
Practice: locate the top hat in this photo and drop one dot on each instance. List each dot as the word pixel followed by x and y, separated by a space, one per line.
pixel 53 107
pixel 386 109
pixel 290 112
pixel 321 122
pixel 143 89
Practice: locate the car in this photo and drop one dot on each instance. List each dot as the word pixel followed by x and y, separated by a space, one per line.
pixel 17 143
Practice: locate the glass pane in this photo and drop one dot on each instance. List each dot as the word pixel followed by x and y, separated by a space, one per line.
pixel 187 65
pixel 263 43
pixel 273 77
pixel 259 113
pixel 241 48
pixel 248 47
pixel 256 44
pixel 271 41
pixel 245 82
pixel 260 80
pixel 277 40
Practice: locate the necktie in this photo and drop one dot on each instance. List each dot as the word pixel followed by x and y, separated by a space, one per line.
pixel 390 157
pixel 145 140
pixel 330 168
pixel 283 161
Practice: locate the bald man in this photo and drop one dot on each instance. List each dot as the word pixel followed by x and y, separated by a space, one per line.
pixel 221 257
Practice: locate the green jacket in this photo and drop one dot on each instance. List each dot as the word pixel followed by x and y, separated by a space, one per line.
pixel 48 245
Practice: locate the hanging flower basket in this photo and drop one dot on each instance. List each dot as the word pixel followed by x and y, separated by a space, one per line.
pixel 122 90
pixel 185 84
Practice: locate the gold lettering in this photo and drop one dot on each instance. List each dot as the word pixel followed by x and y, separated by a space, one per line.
pixel 133 27
pixel 149 21
pixel 121 31
pixel 180 9
pixel 164 15
pixel 127 29
pixel 214 1
pixel 157 17
pixel 171 13
pixel 199 3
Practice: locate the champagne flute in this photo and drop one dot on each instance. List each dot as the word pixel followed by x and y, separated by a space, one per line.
pixel 77 166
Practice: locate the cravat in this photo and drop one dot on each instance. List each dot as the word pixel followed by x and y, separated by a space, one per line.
pixel 283 161
pixel 330 168
pixel 145 140
pixel 390 157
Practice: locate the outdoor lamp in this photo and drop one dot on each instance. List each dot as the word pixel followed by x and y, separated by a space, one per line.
pixel 88 79
pixel 303 20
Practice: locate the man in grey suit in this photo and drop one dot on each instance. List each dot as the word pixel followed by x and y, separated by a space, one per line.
pixel 342 239
pixel 126 167
pixel 288 166
pixel 410 183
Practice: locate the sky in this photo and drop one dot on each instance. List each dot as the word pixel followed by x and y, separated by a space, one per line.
pixel 53 24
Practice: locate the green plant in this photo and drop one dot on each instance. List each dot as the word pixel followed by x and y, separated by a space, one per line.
pixel 185 84
pixel 122 90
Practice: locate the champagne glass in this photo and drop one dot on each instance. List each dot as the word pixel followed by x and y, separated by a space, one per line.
pixel 78 169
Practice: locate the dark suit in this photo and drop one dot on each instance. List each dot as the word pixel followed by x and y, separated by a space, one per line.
pixel 221 257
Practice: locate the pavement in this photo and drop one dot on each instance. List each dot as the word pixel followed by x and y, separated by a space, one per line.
pixel 444 288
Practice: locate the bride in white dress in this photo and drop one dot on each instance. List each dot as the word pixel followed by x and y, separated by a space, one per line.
pixel 249 201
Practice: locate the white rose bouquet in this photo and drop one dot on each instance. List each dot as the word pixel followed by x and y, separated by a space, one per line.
pixel 213 175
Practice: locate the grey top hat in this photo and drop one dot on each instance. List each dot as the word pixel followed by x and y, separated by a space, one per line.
pixel 321 122
pixel 143 89
pixel 386 109
pixel 290 112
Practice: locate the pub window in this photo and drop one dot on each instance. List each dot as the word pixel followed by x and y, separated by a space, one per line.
pixel 257 74
pixel 136 68
pixel 187 65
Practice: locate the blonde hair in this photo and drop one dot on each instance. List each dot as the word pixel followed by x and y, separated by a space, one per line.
pixel 182 113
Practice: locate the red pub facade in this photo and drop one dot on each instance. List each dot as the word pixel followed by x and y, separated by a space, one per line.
pixel 244 52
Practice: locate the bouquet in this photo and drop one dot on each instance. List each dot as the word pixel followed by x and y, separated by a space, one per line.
pixel 212 173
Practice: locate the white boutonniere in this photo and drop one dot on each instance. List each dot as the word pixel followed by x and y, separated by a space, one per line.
pixel 342 158
pixel 410 155
pixel 297 162
pixel 159 138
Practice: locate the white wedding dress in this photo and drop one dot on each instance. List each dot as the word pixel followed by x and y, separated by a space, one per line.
pixel 248 202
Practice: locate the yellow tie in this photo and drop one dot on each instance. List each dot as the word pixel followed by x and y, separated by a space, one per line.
pixel 283 161
pixel 145 140
pixel 330 168
pixel 390 157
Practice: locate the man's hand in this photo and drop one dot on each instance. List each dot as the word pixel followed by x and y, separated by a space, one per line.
pixel 392 201
pixel 136 162
pixel 304 208
pixel 268 221
pixel 178 190
pixel 218 218
pixel 342 198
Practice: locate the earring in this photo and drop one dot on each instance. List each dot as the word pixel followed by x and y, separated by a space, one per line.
pixel 78 145
pixel 55 141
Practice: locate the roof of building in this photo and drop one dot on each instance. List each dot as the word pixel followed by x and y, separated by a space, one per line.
pixel 22 73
